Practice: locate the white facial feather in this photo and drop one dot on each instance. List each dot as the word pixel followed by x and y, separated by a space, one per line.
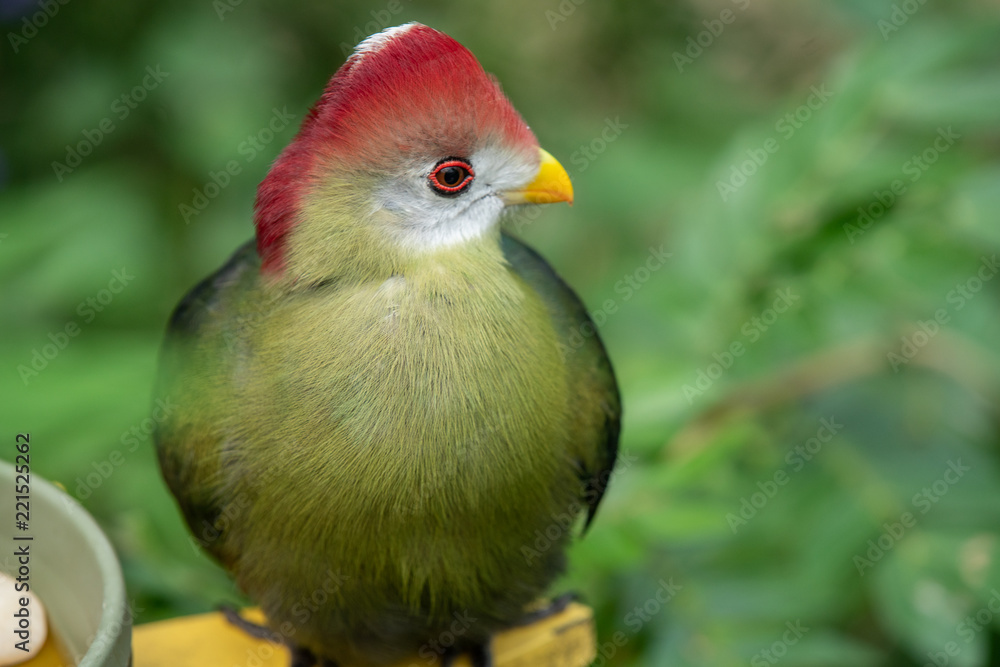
pixel 423 220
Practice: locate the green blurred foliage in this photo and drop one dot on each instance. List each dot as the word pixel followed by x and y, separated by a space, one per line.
pixel 782 543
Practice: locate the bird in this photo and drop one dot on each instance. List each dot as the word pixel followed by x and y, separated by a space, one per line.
pixel 391 416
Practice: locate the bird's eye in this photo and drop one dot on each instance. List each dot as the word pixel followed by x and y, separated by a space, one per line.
pixel 451 177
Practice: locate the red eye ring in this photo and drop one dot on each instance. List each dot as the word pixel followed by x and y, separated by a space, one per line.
pixel 451 176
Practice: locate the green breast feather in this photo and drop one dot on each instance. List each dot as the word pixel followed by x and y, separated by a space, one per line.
pixel 414 432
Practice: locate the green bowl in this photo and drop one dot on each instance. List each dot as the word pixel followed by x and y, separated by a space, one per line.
pixel 73 570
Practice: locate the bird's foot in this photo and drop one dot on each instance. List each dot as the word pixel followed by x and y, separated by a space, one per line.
pixel 556 606
pixel 479 656
pixel 253 629
pixel 302 657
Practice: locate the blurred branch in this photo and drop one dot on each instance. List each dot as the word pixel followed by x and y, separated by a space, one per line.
pixel 948 352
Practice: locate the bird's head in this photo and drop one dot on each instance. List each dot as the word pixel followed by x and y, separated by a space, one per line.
pixel 412 148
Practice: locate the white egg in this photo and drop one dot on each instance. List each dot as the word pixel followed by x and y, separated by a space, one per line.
pixel 20 612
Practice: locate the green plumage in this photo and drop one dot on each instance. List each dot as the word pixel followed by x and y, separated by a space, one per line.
pixel 393 441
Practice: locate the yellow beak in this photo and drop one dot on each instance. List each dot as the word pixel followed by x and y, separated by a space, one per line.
pixel 551 185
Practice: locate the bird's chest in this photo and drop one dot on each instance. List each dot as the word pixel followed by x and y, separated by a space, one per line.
pixel 404 372
pixel 422 425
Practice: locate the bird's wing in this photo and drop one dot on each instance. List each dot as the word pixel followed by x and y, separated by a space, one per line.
pixel 190 439
pixel 595 404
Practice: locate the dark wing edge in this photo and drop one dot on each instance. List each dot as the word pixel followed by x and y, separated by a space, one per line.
pixel 597 483
pixel 176 440
pixel 189 313
pixel 567 307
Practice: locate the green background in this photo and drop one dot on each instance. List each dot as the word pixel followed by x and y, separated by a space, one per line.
pixel 868 542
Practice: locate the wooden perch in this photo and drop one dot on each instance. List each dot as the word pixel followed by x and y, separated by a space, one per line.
pixel 208 640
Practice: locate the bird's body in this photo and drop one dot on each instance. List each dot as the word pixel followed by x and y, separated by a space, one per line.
pixel 371 436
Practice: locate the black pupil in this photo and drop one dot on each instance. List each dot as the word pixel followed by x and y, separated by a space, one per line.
pixel 452 176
